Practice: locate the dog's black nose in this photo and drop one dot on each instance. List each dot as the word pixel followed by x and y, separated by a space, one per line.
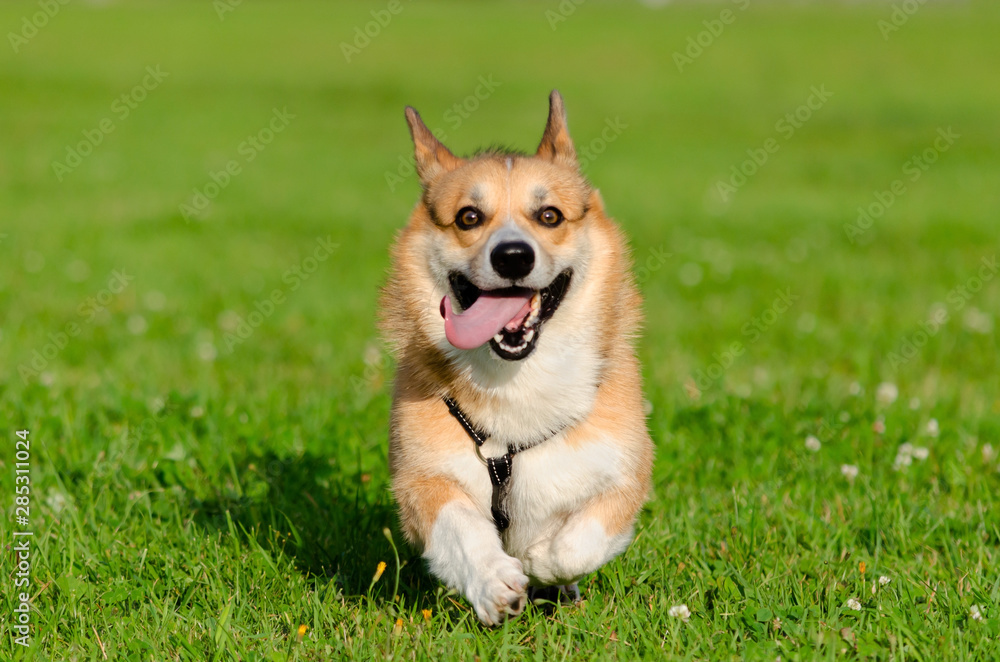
pixel 513 259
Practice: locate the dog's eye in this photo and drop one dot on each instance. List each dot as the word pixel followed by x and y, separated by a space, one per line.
pixel 468 218
pixel 550 216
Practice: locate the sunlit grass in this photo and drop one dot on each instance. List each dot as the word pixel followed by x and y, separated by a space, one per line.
pixel 208 463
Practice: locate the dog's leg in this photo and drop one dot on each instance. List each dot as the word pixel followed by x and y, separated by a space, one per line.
pixel 465 552
pixel 588 540
pixel 448 521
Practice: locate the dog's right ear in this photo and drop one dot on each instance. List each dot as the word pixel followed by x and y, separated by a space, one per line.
pixel 556 144
pixel 432 157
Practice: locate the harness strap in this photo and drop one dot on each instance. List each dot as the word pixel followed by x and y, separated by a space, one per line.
pixel 477 436
pixel 499 467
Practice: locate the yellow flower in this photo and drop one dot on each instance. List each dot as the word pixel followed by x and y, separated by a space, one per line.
pixel 302 631
pixel 379 571
pixel 861 567
pixel 427 614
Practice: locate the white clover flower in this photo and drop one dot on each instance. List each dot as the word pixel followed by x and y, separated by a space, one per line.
pixel 850 471
pixel 975 614
pixel 137 324
pixel 228 320
pixel 879 425
pixel 988 452
pixel 813 444
pixel 680 611
pixel 206 351
pixel 932 428
pixel 886 393
pixel 978 321
pixel 852 603
pixel 154 300
pixel 921 453
pixel 884 581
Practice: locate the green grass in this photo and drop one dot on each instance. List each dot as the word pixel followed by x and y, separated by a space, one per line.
pixel 198 494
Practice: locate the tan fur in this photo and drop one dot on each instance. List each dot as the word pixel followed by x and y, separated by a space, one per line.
pixel 426 442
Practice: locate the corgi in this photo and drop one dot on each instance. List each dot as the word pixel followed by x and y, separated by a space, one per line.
pixel 518 446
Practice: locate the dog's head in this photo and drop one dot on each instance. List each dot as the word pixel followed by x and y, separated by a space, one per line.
pixel 506 231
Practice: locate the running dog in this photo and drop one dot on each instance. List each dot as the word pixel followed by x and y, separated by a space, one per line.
pixel 518 444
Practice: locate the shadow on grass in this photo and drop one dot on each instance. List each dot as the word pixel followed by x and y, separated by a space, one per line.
pixel 329 524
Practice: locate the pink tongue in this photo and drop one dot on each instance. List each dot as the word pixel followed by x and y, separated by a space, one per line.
pixel 484 318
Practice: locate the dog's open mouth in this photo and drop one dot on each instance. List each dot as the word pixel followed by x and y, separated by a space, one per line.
pixel 510 319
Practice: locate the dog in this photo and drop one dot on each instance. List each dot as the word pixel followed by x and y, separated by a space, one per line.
pixel 518 447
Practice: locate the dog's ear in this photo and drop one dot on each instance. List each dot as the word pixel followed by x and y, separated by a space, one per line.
pixel 432 157
pixel 556 144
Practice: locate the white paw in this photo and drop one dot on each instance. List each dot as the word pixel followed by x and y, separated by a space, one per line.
pixel 579 548
pixel 500 591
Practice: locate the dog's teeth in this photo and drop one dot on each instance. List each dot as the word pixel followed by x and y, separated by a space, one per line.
pixel 514 350
pixel 529 335
pixel 498 337
pixel 536 307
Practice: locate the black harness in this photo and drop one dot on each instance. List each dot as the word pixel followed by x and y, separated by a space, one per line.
pixel 499 467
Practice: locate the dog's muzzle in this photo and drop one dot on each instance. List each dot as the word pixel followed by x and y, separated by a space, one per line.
pixel 510 319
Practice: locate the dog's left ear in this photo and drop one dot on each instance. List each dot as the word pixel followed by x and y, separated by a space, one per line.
pixel 556 144
pixel 432 157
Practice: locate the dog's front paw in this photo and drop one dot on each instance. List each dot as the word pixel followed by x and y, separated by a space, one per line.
pixel 500 591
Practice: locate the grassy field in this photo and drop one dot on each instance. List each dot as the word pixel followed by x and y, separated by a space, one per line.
pixel 188 290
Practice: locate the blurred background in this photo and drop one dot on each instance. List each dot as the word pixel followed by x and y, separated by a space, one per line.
pixel 197 198
pixel 120 120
